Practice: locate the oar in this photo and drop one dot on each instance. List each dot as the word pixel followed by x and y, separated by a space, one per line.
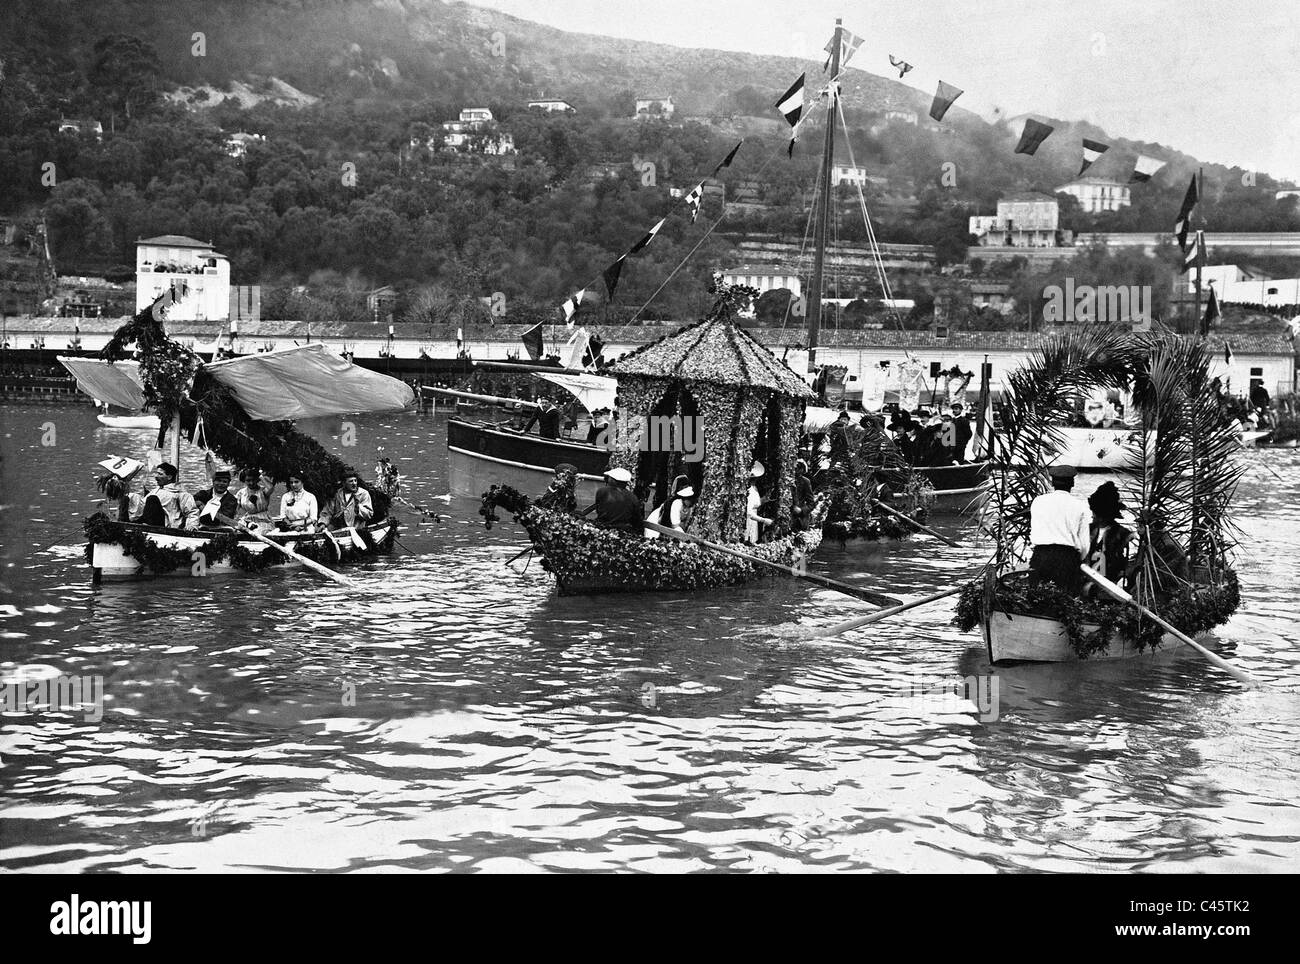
pixel 1214 658
pixel 880 614
pixel 309 563
pixel 910 521
pixel 872 597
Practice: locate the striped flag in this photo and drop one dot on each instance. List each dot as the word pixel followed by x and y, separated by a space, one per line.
pixel 1032 136
pixel 1227 345
pixel 649 236
pixel 694 198
pixel 791 107
pixel 944 96
pixel 1184 222
pixel 1195 255
pixel 1144 168
pixel 571 306
pixel 902 66
pixel 1091 151
pixel 532 340
pixel 849 44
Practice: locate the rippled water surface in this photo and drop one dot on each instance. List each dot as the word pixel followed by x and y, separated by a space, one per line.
pixel 499 727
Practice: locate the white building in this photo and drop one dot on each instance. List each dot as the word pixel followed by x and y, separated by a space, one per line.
pixel 237 143
pixel 1224 274
pixel 552 106
pixel 1272 292
pixel 476 129
pixel 848 174
pixel 171 258
pixel 654 107
pixel 1026 219
pixel 764 279
pixel 1097 194
pixel 901 116
pixel 1285 194
pixel 67 126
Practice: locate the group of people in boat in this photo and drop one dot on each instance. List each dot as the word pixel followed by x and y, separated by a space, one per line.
pixel 924 437
pixel 166 504
pixel 1065 532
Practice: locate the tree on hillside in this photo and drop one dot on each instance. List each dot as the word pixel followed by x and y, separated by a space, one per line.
pixel 125 70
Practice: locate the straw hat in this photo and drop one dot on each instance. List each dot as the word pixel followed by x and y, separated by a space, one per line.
pixel 756 471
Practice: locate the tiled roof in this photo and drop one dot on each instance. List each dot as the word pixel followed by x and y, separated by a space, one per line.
pixel 174 241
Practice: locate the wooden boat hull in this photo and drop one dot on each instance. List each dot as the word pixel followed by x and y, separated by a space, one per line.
pixel 1036 639
pixel 130 421
pixel 958 489
pixel 112 562
pixel 585 559
pixel 481 456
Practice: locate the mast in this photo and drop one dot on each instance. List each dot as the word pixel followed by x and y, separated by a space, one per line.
pixel 1196 318
pixel 824 205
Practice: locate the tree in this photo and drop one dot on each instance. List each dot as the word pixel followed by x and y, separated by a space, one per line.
pixel 125 69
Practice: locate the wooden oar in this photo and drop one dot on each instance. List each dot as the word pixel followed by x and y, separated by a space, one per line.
pixel 1214 658
pixel 910 521
pixel 880 614
pixel 872 597
pixel 309 563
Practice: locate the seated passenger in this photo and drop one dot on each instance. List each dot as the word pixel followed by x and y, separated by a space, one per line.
pixel 298 509
pixel 218 500
pixel 253 501
pixel 169 506
pixel 675 513
pixel 350 506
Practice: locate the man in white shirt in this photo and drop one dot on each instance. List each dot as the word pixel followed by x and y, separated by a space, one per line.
pixel 1059 532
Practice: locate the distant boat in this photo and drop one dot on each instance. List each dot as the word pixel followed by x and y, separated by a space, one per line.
pixel 130 421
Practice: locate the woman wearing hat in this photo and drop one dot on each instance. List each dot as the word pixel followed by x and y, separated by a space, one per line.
pixel 753 502
pixel 1108 553
pixel 675 512
pixel 254 499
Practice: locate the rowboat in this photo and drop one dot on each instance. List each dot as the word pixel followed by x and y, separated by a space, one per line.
pixel 1041 639
pixel 193 553
pixel 130 421
pixel 482 455
pixel 958 489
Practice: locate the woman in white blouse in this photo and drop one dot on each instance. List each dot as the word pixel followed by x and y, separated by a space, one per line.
pixel 676 517
pixel 298 509
pixel 752 504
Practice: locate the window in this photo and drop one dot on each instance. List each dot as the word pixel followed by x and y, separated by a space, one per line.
pixel 1257 373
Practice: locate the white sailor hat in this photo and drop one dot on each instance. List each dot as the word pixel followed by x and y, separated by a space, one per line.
pixel 756 470
pixel 619 475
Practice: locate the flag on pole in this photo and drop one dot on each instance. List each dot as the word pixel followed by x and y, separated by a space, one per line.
pixel 902 66
pixel 726 161
pixel 532 340
pixel 611 276
pixel 944 96
pixel 849 44
pixel 649 236
pixel 1227 345
pixel 1144 168
pixel 1091 151
pixel 460 338
pixel 571 306
pixel 791 107
pixel 693 200
pixel 1032 136
pixel 1212 315
pixel 980 444
pixel 1184 222
pixel 1195 254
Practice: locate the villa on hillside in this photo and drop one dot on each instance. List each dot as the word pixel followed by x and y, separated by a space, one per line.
pixel 476 132
pixel 1097 194
pixel 552 106
pixel 654 107
pixel 170 259
pixel 1025 219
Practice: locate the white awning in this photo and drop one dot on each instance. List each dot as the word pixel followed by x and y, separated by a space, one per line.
pixel 818 419
pixel 117 383
pixel 592 391
pixel 306 382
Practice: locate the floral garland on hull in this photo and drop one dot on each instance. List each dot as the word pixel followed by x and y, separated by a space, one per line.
pixel 586 558
pixel 1091 624
pixel 222 547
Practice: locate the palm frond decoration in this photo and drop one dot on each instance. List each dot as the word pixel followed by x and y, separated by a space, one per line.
pixel 1038 397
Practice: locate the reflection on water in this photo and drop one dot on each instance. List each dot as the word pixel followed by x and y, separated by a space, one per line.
pixel 456 714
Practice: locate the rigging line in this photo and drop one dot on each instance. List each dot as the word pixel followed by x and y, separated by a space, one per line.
pixel 803 245
pixel 690 254
pixel 886 289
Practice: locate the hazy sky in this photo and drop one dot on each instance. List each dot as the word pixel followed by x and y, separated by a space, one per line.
pixel 1215 78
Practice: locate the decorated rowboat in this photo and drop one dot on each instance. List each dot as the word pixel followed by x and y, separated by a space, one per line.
pixel 123 550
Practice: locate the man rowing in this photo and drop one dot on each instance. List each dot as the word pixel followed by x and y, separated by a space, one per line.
pixel 350 506
pixel 170 505
pixel 1060 532
pixel 616 506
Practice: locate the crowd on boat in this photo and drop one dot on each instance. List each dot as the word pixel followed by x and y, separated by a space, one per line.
pixel 165 503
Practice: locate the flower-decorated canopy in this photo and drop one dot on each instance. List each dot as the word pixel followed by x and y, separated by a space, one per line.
pixel 745 403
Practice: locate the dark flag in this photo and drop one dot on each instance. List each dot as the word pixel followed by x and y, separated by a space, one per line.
pixel 902 66
pixel 1227 346
pixel 1144 168
pixel 611 276
pixel 693 200
pixel 1212 315
pixel 1032 136
pixel 1091 151
pixel 943 99
pixel 726 161
pixel 1184 222
pixel 649 236
pixel 594 347
pixel 532 340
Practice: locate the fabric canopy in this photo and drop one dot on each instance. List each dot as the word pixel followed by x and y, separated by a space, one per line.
pixel 117 383
pixel 592 391
pixel 307 382
pixel 819 419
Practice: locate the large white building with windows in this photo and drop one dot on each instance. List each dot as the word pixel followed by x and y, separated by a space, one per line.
pixel 1026 219
pixel 170 258
pixel 1098 194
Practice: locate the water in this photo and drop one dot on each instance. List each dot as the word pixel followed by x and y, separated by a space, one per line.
pixel 498 727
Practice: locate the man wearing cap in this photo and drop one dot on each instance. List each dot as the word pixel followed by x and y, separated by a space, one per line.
pixel 169 505
pixel 1060 532
pixel 616 506
pixel 218 500
pixel 546 418
pixel 350 505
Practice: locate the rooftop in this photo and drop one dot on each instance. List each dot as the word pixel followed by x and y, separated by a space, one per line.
pixel 174 241
pixel 1026 196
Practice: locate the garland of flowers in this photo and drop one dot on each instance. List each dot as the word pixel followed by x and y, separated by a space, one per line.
pixel 222 547
pixel 1091 624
